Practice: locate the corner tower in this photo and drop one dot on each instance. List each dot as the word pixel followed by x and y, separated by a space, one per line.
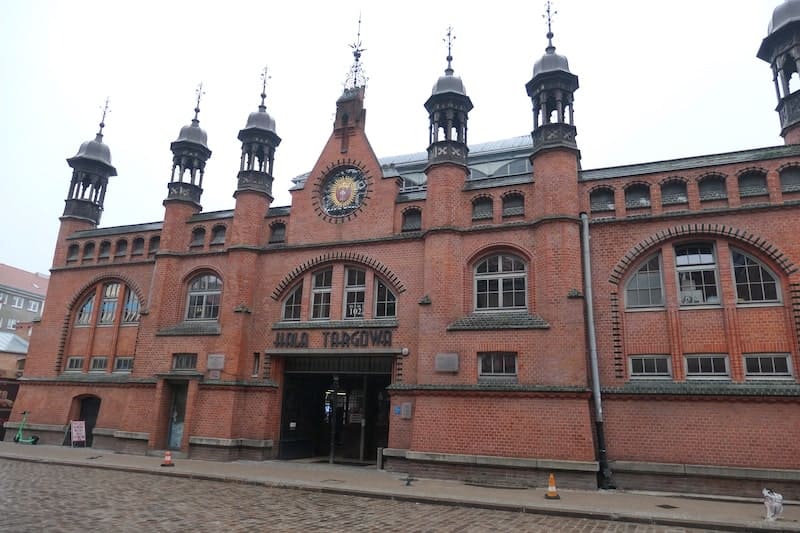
pixel 781 49
pixel 448 111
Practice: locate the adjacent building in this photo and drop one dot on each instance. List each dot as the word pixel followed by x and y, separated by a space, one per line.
pixel 21 296
pixel 491 312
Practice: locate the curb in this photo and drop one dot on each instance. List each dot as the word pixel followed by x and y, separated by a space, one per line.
pixel 432 500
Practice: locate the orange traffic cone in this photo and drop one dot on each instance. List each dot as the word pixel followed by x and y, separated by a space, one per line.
pixel 552 492
pixel 167 459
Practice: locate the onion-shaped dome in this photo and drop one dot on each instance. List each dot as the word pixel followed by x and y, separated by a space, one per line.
pixel 550 61
pixel 193 133
pixel 261 120
pixel 784 14
pixel 95 150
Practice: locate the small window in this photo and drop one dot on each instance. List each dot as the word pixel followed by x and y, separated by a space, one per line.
pixel 198 237
pixel 500 283
pixel 204 298
pixel 763 366
pixel 293 304
pixel 601 200
pixel 385 302
pixel 123 364
pixel 644 287
pixel 138 246
pixel 674 192
pixel 98 364
pixel 355 288
pixel 790 179
pixel 513 205
pixel 131 312
pixel 33 306
pixel 501 365
pixel 218 235
pixel 707 366
pixel 105 250
pixel 412 220
pixel 321 294
pixel 88 251
pixel 155 242
pixel 712 188
pixel 277 233
pixel 650 366
pixel 637 196
pixel 122 249
pixel 17 302
pixel 256 364
pixel 74 364
pixel 84 316
pixel 184 361
pixel 754 283
pixel 108 306
pixel 72 252
pixel 482 209
pixel 697 274
pixel 12 323
pixel 753 183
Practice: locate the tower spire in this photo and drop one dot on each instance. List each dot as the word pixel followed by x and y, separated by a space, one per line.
pixel 549 14
pixel 356 77
pixel 449 39
pixel 264 77
pixel 99 136
pixel 200 92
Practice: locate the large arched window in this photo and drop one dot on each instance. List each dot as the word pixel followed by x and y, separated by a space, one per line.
pixel 696 266
pixel 204 298
pixel 601 199
pixel 118 304
pixel 673 192
pixel 644 288
pixel 754 282
pixel 637 196
pixel 712 187
pixel 501 283
pixel 293 304
pixel 482 209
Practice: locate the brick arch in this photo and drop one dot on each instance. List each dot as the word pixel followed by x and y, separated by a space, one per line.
pixel 670 179
pixel 77 297
pixel 638 182
pixel 602 187
pixel 743 171
pixel 497 248
pixel 197 271
pixel 790 164
pixel 276 222
pixel 481 196
pixel 412 208
pixel 712 174
pixel 332 257
pixel 512 192
pixel 718 230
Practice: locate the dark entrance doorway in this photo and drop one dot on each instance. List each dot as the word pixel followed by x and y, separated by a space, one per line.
pixel 177 414
pixel 90 408
pixel 338 402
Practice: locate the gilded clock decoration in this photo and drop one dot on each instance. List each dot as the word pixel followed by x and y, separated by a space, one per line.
pixel 342 191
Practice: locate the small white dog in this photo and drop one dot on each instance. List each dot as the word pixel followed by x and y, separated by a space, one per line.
pixel 774 504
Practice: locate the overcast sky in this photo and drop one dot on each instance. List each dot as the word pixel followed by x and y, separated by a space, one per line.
pixel 658 80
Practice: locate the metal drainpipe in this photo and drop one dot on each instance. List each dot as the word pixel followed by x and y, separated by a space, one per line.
pixel 604 476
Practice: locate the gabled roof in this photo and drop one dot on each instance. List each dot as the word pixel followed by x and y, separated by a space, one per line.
pixel 11 343
pixel 23 280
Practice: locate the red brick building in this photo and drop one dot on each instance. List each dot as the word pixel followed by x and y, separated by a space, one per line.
pixel 483 312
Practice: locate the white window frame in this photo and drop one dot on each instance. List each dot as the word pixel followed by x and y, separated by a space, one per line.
pixel 11 323
pixel 204 298
pixel 123 364
pixel 184 361
pixel 294 301
pixel 499 374
pixel 645 374
pixel 500 276
pixel 754 262
pixel 74 364
pixel 33 306
pixel 635 278
pixel 17 302
pixel 98 364
pixel 688 298
pixel 357 291
pixel 319 293
pixel 713 375
pixel 391 300
pixel 770 376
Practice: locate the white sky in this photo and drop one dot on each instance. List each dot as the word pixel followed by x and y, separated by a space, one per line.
pixel 659 80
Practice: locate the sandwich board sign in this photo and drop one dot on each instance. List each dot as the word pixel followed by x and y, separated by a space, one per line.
pixel 78 432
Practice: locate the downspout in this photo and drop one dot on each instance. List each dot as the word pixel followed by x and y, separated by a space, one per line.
pixel 604 476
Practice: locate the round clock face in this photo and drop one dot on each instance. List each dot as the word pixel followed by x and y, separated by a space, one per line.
pixel 343 191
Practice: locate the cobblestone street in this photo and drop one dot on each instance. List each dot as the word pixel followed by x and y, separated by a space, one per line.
pixel 53 498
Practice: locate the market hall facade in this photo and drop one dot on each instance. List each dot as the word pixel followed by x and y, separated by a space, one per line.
pixel 492 312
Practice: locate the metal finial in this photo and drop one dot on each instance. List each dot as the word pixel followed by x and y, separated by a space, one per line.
pixel 549 16
pixel 200 92
pixel 103 120
pixel 356 76
pixel 264 77
pixel 449 39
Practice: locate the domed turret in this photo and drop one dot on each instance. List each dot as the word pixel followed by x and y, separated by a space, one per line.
pixel 448 108
pixel 550 61
pixel 189 155
pixel 91 169
pixel 259 141
pixel 781 50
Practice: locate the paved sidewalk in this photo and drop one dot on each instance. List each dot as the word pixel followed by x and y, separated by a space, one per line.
pixel 650 508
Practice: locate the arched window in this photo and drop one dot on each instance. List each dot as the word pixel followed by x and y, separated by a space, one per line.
pixel 293 304
pixel 105 250
pixel 277 233
pixel 204 298
pixel 697 274
pixel 122 248
pixel 108 305
pixel 112 296
pixel 138 246
pixel 132 310
pixel 412 220
pixel 790 179
pixel 501 283
pixel 355 292
pixel 385 301
pixel 88 251
pixel 644 288
pixel 155 242
pixel 321 285
pixel 198 237
pixel 72 252
pixel 482 208
pixel 752 183
pixel 601 200
pixel 754 282
pixel 513 205
pixel 712 188
pixel 218 235
pixel 637 196
pixel 673 192
pixel 84 315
